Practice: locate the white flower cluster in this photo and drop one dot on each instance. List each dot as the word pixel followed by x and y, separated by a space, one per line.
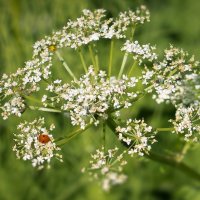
pixel 187 122
pixel 125 20
pixel 140 52
pixel 25 81
pixel 177 79
pixel 90 27
pixel 137 135
pixel 107 167
pixel 96 96
pixel 92 96
pixel 15 106
pixel 34 143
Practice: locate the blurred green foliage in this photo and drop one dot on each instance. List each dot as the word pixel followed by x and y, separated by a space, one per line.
pixel 22 23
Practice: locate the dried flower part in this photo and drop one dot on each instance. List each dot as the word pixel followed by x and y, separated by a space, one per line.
pixel 92 96
pixel 107 166
pixel 34 143
pixel 137 135
pixel 187 122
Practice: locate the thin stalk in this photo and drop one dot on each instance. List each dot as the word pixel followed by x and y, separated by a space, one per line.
pixel 132 67
pixel 63 140
pixel 92 57
pixel 104 136
pixel 110 58
pixel 185 149
pixel 82 60
pixel 165 129
pixel 96 57
pixel 30 98
pixel 123 65
pixel 172 72
pixel 97 61
pixel 65 65
pixel 170 161
pixel 45 109
pixel 132 32
pixel 149 87
pixel 140 96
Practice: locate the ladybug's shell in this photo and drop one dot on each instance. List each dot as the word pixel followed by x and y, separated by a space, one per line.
pixel 43 138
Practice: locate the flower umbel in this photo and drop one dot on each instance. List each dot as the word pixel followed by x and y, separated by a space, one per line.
pixel 36 144
pixel 98 93
pixel 91 97
pixel 107 166
pixel 137 135
pixel 187 122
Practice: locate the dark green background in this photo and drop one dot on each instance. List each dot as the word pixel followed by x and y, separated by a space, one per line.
pixel 25 21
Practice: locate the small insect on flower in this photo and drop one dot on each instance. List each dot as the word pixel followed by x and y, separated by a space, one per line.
pixel 44 138
pixel 52 48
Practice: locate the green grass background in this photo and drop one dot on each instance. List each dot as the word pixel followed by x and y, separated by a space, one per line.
pixel 22 23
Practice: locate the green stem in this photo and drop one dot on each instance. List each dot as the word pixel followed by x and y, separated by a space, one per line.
pixel 172 72
pixel 140 96
pixel 110 58
pixel 175 164
pixel 133 32
pixel 149 87
pixel 82 60
pixel 63 140
pixel 96 58
pixel 181 155
pixel 165 129
pixel 92 57
pixel 30 98
pixel 123 65
pixel 132 67
pixel 65 65
pixel 171 161
pixel 104 136
pixel 45 109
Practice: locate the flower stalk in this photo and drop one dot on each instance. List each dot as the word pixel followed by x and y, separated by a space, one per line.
pixel 168 160
pixel 63 140
pixel 123 65
pixel 82 60
pixel 110 58
pixel 93 57
pixel 65 65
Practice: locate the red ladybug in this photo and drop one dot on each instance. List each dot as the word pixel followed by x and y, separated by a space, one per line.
pixel 43 138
